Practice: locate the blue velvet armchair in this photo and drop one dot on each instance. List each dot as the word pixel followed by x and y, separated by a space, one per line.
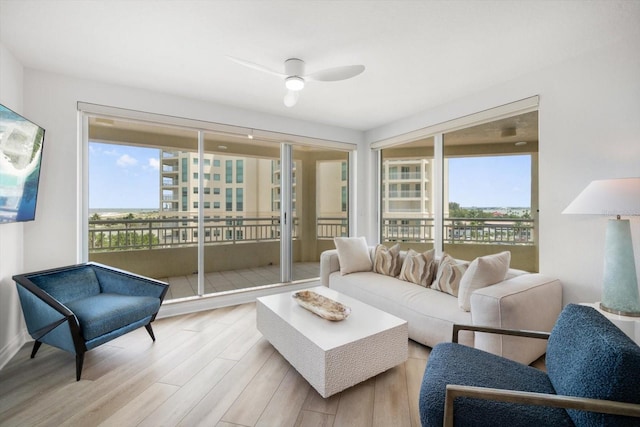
pixel 592 379
pixel 80 307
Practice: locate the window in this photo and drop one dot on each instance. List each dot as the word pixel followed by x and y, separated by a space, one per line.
pixel 344 201
pixel 344 170
pixel 207 205
pixel 239 171
pixel 207 162
pixel 228 177
pixel 481 194
pixel 216 163
pixel 207 190
pixel 195 160
pixel 216 177
pixel 195 205
pixel 229 199
pixel 216 190
pixel 185 206
pixel 195 190
pixel 207 176
pixel 185 170
pixel 216 205
pixel 195 175
pixel 239 199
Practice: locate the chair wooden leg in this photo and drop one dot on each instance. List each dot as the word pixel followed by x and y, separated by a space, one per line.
pixel 150 330
pixel 36 346
pixel 79 362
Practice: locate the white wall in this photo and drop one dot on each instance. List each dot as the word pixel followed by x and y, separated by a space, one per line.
pixel 11 235
pixel 589 126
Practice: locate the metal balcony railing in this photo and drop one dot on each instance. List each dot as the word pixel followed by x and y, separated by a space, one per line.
pixel 136 234
pixel 512 231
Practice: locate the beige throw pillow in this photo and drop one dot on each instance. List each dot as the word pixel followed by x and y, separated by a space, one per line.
pixel 387 260
pixel 353 254
pixel 450 272
pixel 419 268
pixel 482 272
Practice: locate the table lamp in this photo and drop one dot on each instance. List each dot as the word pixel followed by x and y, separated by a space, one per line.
pixel 615 197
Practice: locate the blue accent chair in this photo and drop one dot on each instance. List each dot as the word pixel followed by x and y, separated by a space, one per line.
pixel 80 307
pixel 592 379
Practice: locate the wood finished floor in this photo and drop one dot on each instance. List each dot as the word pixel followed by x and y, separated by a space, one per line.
pixel 210 368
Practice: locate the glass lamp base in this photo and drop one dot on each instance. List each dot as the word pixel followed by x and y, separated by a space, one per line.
pixel 618 312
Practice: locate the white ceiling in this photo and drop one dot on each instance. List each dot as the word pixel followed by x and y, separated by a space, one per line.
pixel 418 54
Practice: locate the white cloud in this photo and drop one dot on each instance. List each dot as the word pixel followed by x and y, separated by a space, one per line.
pixel 126 160
pixel 154 163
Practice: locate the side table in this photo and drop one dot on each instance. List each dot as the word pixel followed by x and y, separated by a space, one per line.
pixel 628 325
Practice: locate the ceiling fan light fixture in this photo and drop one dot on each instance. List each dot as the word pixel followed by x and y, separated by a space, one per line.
pixel 291 98
pixel 294 83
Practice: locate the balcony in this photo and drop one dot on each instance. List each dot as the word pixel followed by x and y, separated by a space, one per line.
pixel 466 238
pixel 239 253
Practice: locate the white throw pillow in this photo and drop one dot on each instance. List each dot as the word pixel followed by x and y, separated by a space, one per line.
pixel 482 272
pixel 353 254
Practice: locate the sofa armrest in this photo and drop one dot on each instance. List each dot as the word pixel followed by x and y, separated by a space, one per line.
pixel 530 398
pixel 525 302
pixel 329 263
pixel 513 332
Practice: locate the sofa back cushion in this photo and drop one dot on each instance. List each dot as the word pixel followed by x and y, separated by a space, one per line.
pixel 68 285
pixel 588 356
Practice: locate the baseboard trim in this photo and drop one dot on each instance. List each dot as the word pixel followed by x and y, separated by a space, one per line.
pixel 12 348
pixel 225 299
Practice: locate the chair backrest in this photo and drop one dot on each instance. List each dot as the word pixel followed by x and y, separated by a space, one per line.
pixel 68 284
pixel 588 356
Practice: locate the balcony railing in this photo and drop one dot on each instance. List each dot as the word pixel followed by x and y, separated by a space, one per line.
pixel 460 230
pixel 328 228
pixel 136 234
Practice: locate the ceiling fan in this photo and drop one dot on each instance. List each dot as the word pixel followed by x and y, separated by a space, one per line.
pixel 295 78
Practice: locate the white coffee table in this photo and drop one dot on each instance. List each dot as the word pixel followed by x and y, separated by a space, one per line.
pixel 333 356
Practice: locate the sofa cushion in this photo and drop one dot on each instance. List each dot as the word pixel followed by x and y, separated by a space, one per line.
pixel 103 313
pixel 387 260
pixel 450 272
pixel 353 254
pixel 69 285
pixel 588 356
pixel 483 271
pixel 458 364
pixel 419 268
pixel 430 314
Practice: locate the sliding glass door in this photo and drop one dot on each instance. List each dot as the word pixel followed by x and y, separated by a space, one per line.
pixel 209 211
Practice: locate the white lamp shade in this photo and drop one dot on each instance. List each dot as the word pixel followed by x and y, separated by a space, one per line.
pixel 610 197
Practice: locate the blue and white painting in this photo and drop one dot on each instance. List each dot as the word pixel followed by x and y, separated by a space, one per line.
pixel 20 156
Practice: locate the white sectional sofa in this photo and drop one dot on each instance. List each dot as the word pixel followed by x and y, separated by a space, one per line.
pixel 527 301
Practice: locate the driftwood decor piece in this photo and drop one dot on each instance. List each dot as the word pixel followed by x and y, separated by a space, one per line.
pixel 321 305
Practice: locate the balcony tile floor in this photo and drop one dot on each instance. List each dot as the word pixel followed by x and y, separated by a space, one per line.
pixel 222 281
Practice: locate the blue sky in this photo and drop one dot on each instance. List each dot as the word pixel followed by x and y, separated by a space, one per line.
pixel 500 181
pixel 123 177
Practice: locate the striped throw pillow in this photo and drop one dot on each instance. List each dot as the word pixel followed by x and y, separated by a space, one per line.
pixel 450 272
pixel 387 260
pixel 419 268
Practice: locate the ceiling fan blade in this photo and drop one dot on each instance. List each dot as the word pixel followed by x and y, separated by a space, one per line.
pixel 256 66
pixel 336 73
pixel 291 98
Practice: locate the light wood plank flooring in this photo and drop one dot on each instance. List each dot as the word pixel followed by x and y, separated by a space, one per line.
pixel 210 368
